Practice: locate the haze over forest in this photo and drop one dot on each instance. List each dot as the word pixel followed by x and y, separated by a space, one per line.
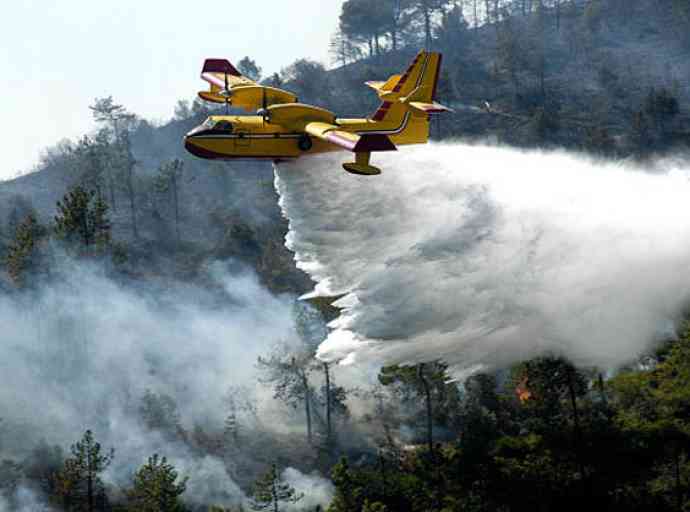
pixel 529 265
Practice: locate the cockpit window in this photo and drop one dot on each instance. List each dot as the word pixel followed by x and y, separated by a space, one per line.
pixel 223 126
pixel 209 123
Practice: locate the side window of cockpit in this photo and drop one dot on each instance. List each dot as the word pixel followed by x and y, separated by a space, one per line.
pixel 223 126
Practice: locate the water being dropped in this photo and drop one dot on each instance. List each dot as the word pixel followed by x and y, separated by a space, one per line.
pixel 483 256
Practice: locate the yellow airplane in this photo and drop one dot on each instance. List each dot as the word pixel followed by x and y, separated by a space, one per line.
pixel 284 129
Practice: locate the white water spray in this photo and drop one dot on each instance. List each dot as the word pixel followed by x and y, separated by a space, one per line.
pixel 484 256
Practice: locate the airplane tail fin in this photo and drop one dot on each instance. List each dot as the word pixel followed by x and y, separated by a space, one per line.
pixel 414 90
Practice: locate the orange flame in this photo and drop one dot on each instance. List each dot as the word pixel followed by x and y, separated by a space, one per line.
pixel 522 391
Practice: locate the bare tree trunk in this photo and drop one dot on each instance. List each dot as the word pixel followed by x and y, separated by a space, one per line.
pixel 307 405
pixel 89 486
pixel 679 491
pixel 111 180
pixel 132 202
pixel 576 423
pixel 558 15
pixel 395 24
pixel 274 491
pixel 129 179
pixel 85 229
pixel 111 188
pixel 177 209
pixel 329 425
pixel 542 76
pixel 429 411
pixel 382 470
pixel 427 26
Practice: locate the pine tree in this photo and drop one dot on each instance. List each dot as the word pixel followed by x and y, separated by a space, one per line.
pixel 231 430
pixel 127 163
pixel 159 412
pixel 23 258
pixel 348 495
pixel 106 111
pixel 289 376
pixel 167 181
pixel 249 68
pixel 427 10
pixel 375 506
pixel 271 490
pixel 79 480
pixel 116 120
pixel 10 477
pixel 156 487
pixel 429 383
pixel 82 220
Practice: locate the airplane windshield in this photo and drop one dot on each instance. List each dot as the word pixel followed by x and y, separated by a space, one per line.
pixel 224 126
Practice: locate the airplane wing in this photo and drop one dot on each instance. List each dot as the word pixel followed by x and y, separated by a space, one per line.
pixel 350 141
pixel 321 124
pixel 228 85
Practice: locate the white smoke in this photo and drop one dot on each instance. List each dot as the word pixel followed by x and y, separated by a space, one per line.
pixel 483 256
pixel 80 353
pixel 316 490
pixel 24 500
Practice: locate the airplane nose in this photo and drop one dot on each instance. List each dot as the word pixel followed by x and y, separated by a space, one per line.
pixel 189 143
pixel 197 150
pixel 193 132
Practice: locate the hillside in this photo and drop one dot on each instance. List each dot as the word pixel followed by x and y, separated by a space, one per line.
pixel 150 306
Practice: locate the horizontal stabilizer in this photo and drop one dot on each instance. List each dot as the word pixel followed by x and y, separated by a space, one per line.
pixel 429 108
pixel 385 87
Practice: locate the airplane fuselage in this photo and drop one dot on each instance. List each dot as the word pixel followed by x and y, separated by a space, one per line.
pixel 252 137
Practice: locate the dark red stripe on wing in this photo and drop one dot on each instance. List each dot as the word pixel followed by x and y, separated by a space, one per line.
pixel 220 66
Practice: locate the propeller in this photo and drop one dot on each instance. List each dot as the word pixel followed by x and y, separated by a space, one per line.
pixel 263 112
pixel 226 93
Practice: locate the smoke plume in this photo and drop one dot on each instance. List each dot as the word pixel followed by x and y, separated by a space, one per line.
pixel 483 256
pixel 80 353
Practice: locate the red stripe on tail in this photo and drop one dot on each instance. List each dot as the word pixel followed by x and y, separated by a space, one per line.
pixel 380 114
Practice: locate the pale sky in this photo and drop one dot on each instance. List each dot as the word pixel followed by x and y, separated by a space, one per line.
pixel 56 57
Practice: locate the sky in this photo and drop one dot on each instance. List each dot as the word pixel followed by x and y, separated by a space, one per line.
pixel 56 57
